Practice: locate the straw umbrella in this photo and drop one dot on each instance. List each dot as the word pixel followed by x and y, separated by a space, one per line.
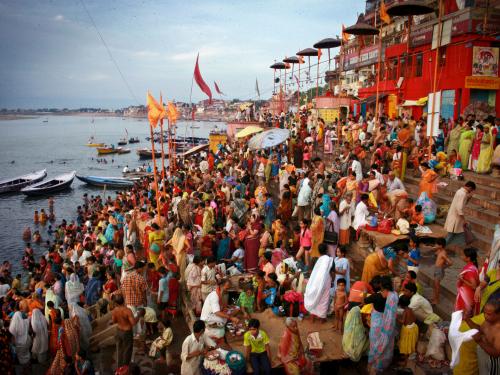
pixel 308 52
pixel 294 60
pixel 279 66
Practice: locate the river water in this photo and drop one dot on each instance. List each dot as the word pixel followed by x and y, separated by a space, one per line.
pixel 58 145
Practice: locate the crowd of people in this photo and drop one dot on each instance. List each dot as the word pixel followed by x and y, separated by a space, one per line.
pixel 288 217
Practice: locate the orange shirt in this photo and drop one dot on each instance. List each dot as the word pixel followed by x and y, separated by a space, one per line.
pixel 404 137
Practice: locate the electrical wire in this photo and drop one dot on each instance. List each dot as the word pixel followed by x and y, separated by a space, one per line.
pixel 110 54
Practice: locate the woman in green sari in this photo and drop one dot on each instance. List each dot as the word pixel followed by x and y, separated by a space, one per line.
pixel 465 145
pixel 454 138
pixel 489 288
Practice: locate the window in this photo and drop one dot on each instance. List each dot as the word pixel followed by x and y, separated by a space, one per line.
pixel 409 66
pixel 402 66
pixel 418 64
pixel 392 69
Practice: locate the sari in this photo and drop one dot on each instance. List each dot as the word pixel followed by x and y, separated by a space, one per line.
pixel 19 328
pixel 252 245
pixel 373 266
pixel 41 339
pixel 318 232
pixel 291 354
pixel 156 239
pixel 54 329
pixel 208 220
pixel 354 340
pixel 317 294
pixel 178 242
pixel 465 294
pixel 73 289
pixel 325 205
pixel 68 340
pixel 428 183
pixel 453 139
pixel 328 146
pixel 486 154
pixel 476 147
pixel 492 288
pixel 84 323
pixel 464 148
pixel 382 334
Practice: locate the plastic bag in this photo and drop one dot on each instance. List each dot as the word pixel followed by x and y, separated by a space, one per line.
pixel 429 208
pixel 435 349
pixel 385 226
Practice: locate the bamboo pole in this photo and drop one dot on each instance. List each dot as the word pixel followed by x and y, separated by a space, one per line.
pixel 434 83
pixel 163 172
pixel 155 177
pixel 378 76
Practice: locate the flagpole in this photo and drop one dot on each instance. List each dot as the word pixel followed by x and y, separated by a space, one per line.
pixel 155 177
pixel 378 76
pixel 298 91
pixel 434 83
pixel 317 74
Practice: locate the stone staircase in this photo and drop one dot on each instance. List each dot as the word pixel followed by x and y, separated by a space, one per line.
pixel 482 212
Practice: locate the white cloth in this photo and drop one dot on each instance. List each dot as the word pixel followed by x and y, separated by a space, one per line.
pixel 191 366
pixel 4 289
pixel 19 328
pixel 360 215
pixel 357 169
pixel 73 289
pixel 456 337
pixel 346 217
pixel 210 307
pixel 39 327
pixel 317 294
pixel 304 197
pixel 208 274
pixel 85 326
pixel 395 184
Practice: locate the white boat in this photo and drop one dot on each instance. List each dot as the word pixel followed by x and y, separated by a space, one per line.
pixel 58 183
pixel 17 183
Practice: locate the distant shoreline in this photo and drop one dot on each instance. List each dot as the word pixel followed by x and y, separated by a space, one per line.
pixel 16 117
pixel 20 116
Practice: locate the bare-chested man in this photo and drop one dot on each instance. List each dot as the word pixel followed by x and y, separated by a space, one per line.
pixel 488 339
pixel 125 320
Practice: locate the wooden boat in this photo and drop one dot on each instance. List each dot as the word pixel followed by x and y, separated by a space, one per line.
pixel 146 153
pixel 134 140
pixel 124 150
pixel 108 150
pixel 112 182
pixel 95 144
pixel 137 174
pixel 195 150
pixel 17 183
pixel 53 185
pixel 122 141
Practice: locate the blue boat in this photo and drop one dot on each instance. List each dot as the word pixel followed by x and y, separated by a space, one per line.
pixel 111 182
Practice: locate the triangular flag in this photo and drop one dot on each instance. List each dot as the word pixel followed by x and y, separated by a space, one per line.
pixel 217 89
pixel 155 111
pixel 345 36
pixel 172 113
pixel 384 16
pixel 319 53
pixel 201 83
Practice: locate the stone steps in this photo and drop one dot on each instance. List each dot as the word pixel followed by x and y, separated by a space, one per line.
pixel 482 179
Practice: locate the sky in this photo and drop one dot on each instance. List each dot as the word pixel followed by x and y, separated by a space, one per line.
pixel 52 55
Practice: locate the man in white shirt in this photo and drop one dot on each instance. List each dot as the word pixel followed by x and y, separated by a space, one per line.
pixel 208 280
pixel 194 348
pixel 394 183
pixel 421 307
pixel 304 200
pixel 361 213
pixel 357 168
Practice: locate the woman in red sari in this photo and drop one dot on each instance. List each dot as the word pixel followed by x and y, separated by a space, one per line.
pixel 68 344
pixel 428 183
pixel 291 351
pixel 467 282
pixel 476 146
pixel 252 243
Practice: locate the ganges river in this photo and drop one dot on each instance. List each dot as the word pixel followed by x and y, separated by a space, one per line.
pixel 57 143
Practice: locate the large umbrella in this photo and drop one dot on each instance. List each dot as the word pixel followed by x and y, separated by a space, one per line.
pixel 328 43
pixel 268 138
pixel 294 60
pixel 361 28
pixel 277 66
pixel 308 52
pixel 409 8
pixel 249 130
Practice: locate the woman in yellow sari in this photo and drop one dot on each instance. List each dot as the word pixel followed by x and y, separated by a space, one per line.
pixel 156 238
pixel 179 245
pixel 454 138
pixel 351 186
pixel 486 153
pixel 291 351
pixel 428 183
pixel 208 218
pixel 317 232
pixel 465 145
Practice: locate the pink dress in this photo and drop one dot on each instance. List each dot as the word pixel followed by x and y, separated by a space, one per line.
pixel 465 294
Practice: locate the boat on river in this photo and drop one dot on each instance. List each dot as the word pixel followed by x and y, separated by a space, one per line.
pixel 122 142
pixel 108 150
pixel 124 150
pixel 111 182
pixel 134 140
pixel 17 183
pixel 58 183
pixel 93 143
pixel 147 153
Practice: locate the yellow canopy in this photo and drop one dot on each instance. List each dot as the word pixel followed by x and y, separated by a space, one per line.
pixel 422 101
pixel 249 130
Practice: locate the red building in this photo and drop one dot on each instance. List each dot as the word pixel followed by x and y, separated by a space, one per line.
pixel 467 71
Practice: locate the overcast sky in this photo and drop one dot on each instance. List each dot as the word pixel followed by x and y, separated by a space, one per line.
pixel 52 56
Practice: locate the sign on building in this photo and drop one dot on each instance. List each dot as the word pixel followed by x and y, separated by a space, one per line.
pixel 485 61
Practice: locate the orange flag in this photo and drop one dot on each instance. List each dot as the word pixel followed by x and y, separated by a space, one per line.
pixel 345 36
pixel 155 111
pixel 172 113
pixel 319 53
pixel 384 16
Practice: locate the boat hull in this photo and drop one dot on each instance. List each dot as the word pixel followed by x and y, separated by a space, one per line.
pixel 148 154
pixel 54 185
pixel 18 183
pixel 111 182
pixel 95 144
pixel 107 151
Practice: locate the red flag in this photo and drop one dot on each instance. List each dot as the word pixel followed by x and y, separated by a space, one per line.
pixel 217 89
pixel 201 83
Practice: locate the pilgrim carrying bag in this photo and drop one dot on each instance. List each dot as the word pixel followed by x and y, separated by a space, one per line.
pixel 331 237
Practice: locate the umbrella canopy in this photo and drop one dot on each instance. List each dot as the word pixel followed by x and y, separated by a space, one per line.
pixel 249 130
pixel 292 60
pixel 409 8
pixel 328 43
pixel 268 138
pixel 308 52
pixel 278 65
pixel 361 28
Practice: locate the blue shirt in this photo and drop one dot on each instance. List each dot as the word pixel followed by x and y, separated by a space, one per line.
pixel 414 254
pixel 163 287
pixel 389 253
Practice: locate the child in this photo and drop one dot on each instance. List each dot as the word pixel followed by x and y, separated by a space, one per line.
pixel 442 262
pixel 246 301
pixel 43 217
pixel 257 350
pixel 271 292
pixel 411 277
pixel 259 281
pixel 340 300
pixel 36 217
pixel 417 217
pixel 409 330
pixel 413 257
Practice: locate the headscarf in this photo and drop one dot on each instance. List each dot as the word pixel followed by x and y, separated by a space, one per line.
pixel 19 328
pixel 73 289
pixel 39 326
pixel 85 326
